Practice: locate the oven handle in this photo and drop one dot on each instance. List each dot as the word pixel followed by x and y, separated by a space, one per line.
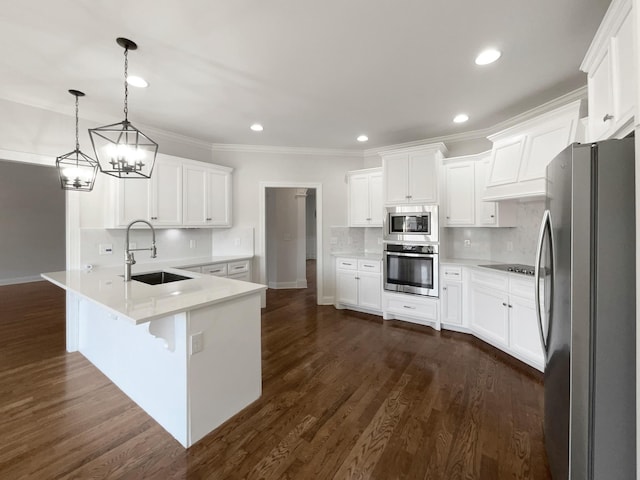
pixel 397 254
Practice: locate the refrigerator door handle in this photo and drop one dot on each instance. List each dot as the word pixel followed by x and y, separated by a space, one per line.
pixel 544 227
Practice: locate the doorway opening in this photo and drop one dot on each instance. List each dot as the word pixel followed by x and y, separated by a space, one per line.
pixel 291 248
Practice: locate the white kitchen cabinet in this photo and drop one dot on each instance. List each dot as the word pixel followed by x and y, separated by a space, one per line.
pixel 460 198
pixel 165 205
pixel 157 200
pixel 180 193
pixel 207 196
pixel 365 198
pixel 451 296
pixel 464 185
pixel 239 270
pixel 610 65
pixel 502 312
pixel 411 308
pixel 489 314
pixel 411 175
pixel 358 284
pixel 521 153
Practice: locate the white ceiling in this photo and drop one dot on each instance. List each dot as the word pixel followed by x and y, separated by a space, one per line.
pixel 315 73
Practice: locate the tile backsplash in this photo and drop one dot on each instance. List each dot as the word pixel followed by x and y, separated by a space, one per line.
pixel 356 239
pixel 509 245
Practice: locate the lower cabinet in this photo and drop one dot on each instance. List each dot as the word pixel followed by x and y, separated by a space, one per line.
pixel 239 270
pixel 451 297
pixel 502 312
pixel 498 308
pixel 358 284
pixel 411 308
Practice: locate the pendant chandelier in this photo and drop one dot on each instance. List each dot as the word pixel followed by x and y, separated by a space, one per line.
pixel 77 171
pixel 122 150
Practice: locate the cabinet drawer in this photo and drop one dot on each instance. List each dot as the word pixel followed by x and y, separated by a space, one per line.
pixel 369 266
pixel 523 287
pixel 452 273
pixel 491 280
pixel 347 263
pixel 246 277
pixel 217 269
pixel 238 267
pixel 426 310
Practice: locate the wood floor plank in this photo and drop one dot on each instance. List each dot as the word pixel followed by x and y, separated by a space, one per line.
pixel 345 395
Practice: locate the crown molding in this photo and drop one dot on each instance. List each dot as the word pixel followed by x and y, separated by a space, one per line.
pixel 483 133
pixel 324 152
pixel 26 157
pixel 614 17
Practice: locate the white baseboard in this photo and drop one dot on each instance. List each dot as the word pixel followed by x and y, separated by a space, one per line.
pixel 16 280
pixel 326 301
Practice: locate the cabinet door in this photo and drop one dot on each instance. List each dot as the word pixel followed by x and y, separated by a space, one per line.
pixel 376 208
pixel 543 144
pixel 524 338
pixel 505 161
pixel 600 100
pixel 423 178
pixel 359 200
pixel 452 303
pixel 486 212
pixel 396 178
pixel 624 75
pixel 460 194
pixel 370 290
pixel 218 198
pixel 489 315
pixel 194 196
pixel 133 197
pixel 166 193
pixel 346 287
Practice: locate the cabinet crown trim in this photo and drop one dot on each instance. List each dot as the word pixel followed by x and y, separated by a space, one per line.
pixel 432 147
pixel 612 21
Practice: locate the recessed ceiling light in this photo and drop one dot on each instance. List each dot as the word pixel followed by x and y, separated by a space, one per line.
pixel 461 118
pixel 362 138
pixel 256 127
pixel 488 56
pixel 136 81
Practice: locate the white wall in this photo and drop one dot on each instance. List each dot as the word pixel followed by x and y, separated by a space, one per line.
pixel 32 222
pixel 254 167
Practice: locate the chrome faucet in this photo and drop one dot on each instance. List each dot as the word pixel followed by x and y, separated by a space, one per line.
pixel 129 259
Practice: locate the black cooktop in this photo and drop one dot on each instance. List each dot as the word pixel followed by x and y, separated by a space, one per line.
pixel 513 267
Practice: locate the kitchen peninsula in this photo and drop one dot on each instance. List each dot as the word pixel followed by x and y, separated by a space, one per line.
pixel 187 352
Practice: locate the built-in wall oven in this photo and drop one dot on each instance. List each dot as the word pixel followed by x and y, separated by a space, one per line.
pixel 411 223
pixel 411 268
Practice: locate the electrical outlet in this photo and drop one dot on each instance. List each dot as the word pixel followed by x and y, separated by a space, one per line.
pixel 192 244
pixel 509 246
pixel 105 249
pixel 467 243
pixel 197 342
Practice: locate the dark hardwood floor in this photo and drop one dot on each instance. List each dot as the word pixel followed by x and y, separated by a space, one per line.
pixel 344 396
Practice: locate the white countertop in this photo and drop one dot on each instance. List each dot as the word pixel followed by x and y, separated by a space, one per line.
pixel 140 302
pixel 360 255
pixel 144 264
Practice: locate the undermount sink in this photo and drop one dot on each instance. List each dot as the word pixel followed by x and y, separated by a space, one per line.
pixel 157 278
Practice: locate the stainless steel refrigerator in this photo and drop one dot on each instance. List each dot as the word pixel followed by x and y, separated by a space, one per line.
pixel 585 296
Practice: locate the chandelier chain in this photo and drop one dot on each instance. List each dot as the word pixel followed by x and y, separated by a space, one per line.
pixel 77 141
pixel 126 85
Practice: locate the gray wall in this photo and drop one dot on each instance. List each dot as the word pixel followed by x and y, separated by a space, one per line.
pixel 32 222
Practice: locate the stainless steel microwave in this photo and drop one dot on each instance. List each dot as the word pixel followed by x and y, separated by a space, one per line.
pixel 411 223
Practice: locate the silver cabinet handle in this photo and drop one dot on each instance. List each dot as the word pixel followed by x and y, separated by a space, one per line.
pixel 607 117
pixel 510 306
pixel 410 308
pixel 368 219
pixel 154 218
pixel 345 263
pixel 238 267
pixel 357 278
pixel 492 216
pixel 208 219
pixel 504 304
pixel 448 218
pixel 444 288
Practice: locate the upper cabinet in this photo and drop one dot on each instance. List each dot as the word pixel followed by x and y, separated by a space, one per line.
pixel 180 193
pixel 610 65
pixel 207 196
pixel 365 198
pixel 520 154
pixel 411 174
pixel 465 179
